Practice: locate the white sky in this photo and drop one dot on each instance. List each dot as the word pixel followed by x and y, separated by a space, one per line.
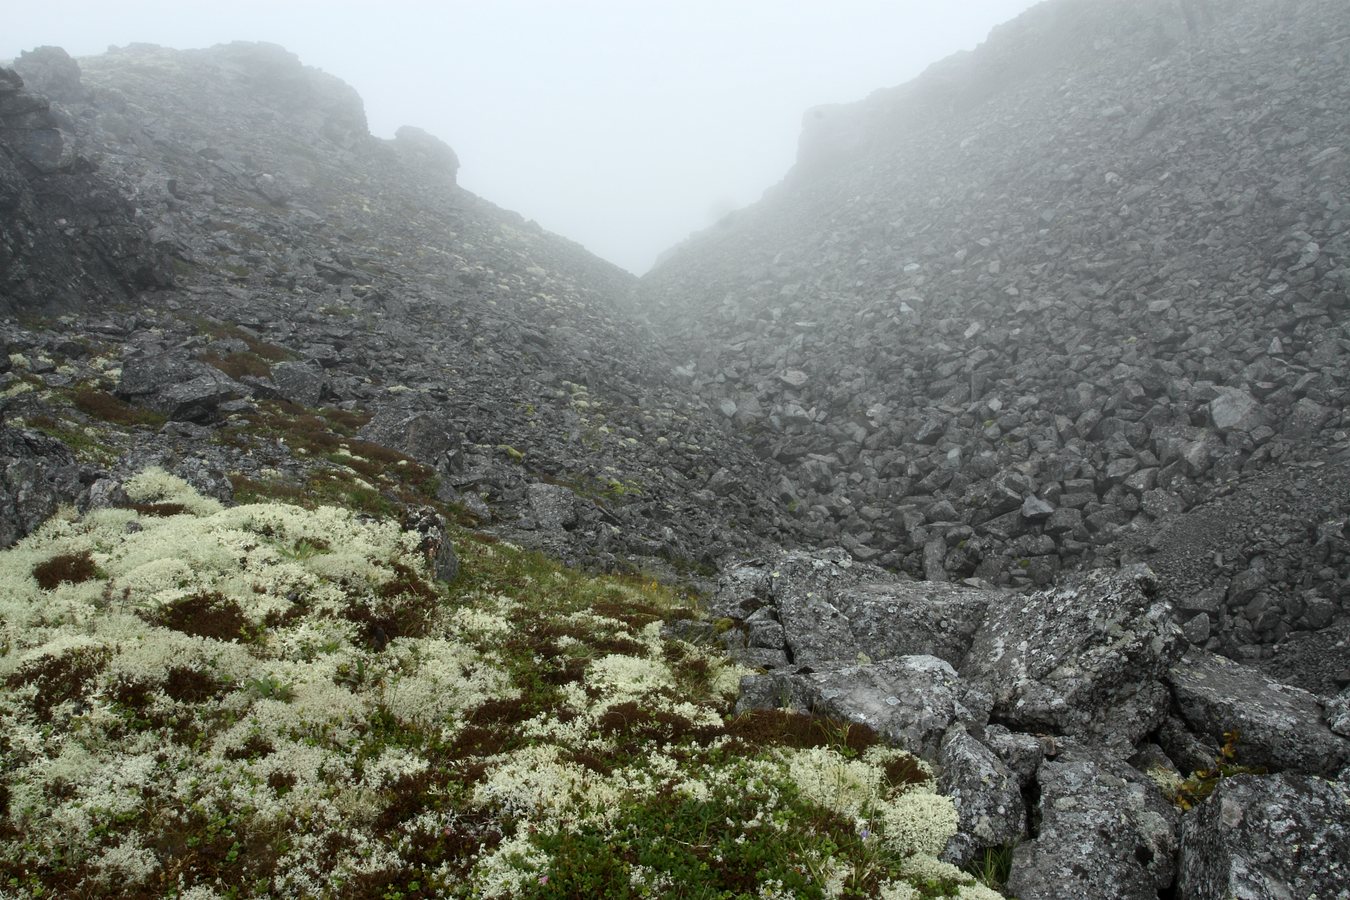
pixel 622 124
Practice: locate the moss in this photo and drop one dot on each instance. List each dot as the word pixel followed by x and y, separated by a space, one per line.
pixel 103 405
pixel 239 365
pixel 67 568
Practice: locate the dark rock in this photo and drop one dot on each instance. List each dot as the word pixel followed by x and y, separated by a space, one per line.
pixel 911 700
pixel 987 795
pixel 1105 831
pixel 1276 836
pixel 1279 726
pixel 37 475
pixel 177 387
pixel 1085 659
pixel 301 383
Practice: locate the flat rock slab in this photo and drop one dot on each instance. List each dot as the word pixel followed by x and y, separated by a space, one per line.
pixel 1106 833
pixel 1085 659
pixel 1279 836
pixel 1280 727
pixel 911 701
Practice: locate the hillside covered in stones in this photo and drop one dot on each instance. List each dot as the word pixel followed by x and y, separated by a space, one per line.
pixel 296 262
pixel 1037 309
pixel 973 506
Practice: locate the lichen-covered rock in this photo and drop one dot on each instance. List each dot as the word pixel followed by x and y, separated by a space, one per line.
pixel 1084 659
pixel 37 475
pixel 1279 726
pixel 911 700
pixel 301 383
pixel 551 507
pixel 177 387
pixel 987 795
pixel 1268 837
pixel 1105 832
pixel 420 435
pixel 1338 713
pixel 832 609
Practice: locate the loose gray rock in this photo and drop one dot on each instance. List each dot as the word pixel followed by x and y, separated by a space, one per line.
pixel 301 383
pixel 552 507
pixel 912 700
pixel 420 435
pixel 37 475
pixel 1281 836
pixel 180 388
pixel 1084 659
pixel 833 609
pixel 1280 727
pixel 1105 832
pixel 987 795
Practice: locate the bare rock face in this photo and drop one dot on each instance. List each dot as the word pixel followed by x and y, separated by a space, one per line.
pixel 1105 832
pixel 52 72
pixel 67 237
pixel 1279 836
pixel 1085 659
pixel 1280 727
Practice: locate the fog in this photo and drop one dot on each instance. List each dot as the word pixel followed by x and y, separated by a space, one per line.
pixel 622 125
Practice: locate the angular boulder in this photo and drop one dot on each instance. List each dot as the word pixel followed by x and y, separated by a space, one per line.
pixel 301 383
pixel 1280 727
pixel 1274 836
pixel 833 609
pixel 1084 659
pixel 1106 831
pixel 420 435
pixel 911 701
pixel 37 475
pixel 986 793
pixel 182 389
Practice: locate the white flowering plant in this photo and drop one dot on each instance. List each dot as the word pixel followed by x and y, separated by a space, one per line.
pixel 266 700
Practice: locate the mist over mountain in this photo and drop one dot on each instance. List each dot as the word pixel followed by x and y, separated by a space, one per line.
pixel 1009 430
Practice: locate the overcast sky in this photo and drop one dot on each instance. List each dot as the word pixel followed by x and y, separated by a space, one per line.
pixel 622 124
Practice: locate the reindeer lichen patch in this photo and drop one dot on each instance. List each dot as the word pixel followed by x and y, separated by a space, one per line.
pixel 288 702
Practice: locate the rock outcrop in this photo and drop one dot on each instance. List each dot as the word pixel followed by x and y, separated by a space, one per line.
pixel 67 237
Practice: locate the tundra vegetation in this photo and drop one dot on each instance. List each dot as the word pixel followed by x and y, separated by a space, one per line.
pixel 267 700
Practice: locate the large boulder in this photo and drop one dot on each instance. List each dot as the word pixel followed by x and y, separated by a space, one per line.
pixel 37 475
pixel 1084 659
pixel 1279 727
pixel 180 388
pixel 1106 832
pixel 911 700
pixel 426 153
pixel 1282 836
pixel 51 71
pixel 421 435
pixel 986 792
pixel 833 609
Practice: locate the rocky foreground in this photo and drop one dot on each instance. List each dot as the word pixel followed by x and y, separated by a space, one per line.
pixel 1006 437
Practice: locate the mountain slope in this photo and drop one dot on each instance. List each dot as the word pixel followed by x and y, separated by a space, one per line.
pixel 318 266
pixel 1002 319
